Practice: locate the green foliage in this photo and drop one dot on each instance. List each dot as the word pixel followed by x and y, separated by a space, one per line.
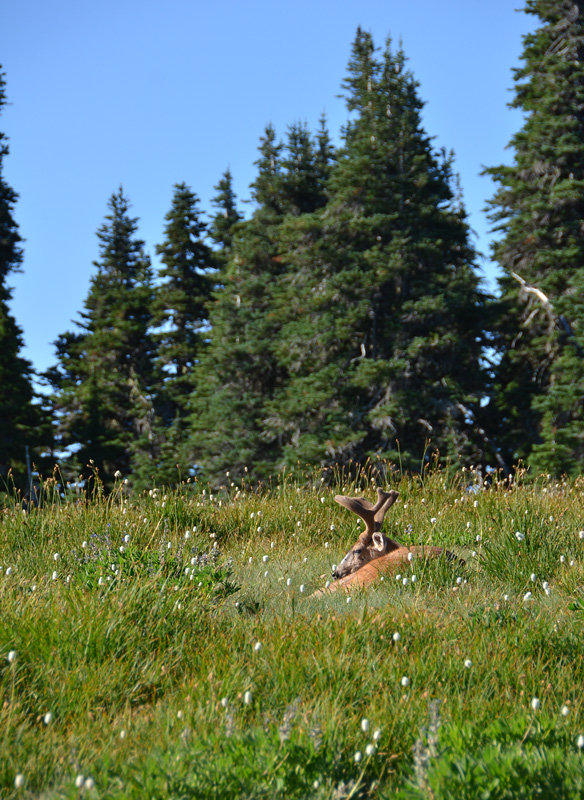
pixel 381 310
pixel 523 758
pixel 246 686
pixel 535 407
pixel 105 375
pixel 180 317
pixel 348 322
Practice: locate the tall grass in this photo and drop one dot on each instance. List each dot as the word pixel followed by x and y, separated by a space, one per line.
pixel 169 646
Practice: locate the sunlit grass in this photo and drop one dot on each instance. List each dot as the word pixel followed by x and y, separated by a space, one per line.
pixel 179 652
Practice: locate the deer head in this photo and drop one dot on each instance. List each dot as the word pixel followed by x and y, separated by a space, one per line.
pixel 372 544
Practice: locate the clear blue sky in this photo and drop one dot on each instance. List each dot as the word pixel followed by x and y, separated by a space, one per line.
pixel 145 94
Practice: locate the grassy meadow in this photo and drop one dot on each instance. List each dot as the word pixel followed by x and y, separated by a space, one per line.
pixel 168 646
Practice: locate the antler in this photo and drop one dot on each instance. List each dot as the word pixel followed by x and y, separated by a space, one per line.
pixel 371 514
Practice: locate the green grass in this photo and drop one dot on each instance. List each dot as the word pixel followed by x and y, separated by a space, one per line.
pixel 156 686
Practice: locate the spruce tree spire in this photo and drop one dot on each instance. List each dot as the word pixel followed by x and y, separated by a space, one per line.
pixel 227 216
pixel 104 376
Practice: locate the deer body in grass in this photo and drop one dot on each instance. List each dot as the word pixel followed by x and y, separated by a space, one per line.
pixel 375 554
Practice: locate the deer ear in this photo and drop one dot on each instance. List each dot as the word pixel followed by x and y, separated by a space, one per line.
pixel 378 541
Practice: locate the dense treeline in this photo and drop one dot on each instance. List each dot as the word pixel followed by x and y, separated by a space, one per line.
pixel 344 319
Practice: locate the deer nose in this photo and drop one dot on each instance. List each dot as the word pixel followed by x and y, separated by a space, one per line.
pixel 334 571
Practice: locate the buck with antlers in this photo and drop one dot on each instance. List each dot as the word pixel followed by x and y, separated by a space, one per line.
pixel 375 554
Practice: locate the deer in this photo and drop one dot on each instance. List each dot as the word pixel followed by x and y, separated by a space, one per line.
pixel 375 554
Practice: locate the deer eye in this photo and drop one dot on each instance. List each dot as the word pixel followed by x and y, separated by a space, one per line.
pixel 358 552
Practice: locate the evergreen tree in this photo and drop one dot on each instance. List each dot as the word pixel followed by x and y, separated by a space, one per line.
pixel 538 385
pixel 180 313
pixel 241 372
pixel 24 424
pixel 104 377
pixel 383 338
pixel 227 216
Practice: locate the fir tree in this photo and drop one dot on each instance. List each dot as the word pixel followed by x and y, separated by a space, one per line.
pixel 180 313
pixel 227 216
pixel 538 386
pixel 24 424
pixel 241 371
pixel 104 376
pixel 383 339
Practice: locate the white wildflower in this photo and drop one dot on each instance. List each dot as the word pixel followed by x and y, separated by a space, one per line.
pixel 565 711
pixel 364 725
pixel 247 698
pixel 535 703
pixel 396 637
pixel 519 536
pixel 12 656
pixel 370 750
pixel 48 718
pixel 405 681
pixel 468 663
pixel 377 735
pixel 79 781
pixel 357 757
pixel 257 647
pixel 19 781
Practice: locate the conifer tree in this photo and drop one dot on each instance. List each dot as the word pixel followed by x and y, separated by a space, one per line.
pixel 24 423
pixel 104 377
pixel 383 340
pixel 538 390
pixel 180 314
pixel 241 371
pixel 227 216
